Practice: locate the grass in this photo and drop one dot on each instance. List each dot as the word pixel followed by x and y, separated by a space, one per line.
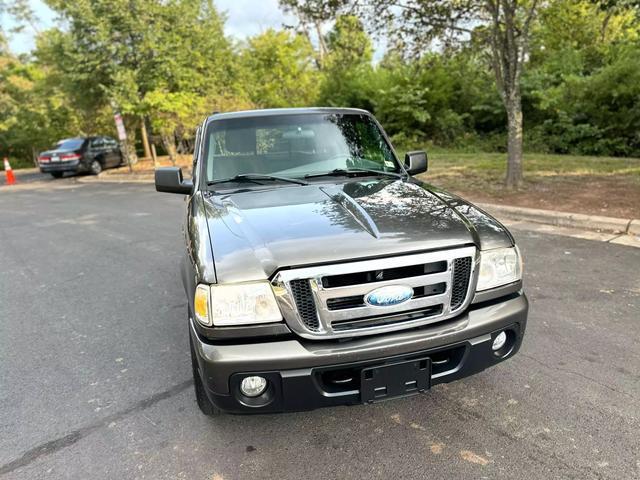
pixel 488 169
pixel 586 184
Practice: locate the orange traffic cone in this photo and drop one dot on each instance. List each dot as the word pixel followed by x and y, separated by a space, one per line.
pixel 11 179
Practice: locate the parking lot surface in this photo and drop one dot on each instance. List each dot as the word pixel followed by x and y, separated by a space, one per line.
pixel 96 384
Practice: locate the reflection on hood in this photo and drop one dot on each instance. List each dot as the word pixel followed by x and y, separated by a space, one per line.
pixel 255 233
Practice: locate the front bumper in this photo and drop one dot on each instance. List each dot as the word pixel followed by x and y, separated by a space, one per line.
pixel 301 372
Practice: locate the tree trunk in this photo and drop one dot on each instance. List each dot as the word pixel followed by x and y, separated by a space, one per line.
pixel 129 145
pixel 322 46
pixel 154 155
pixel 514 140
pixel 130 150
pixel 169 145
pixel 145 138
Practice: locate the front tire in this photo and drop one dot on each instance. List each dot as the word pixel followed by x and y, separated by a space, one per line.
pixel 95 168
pixel 204 403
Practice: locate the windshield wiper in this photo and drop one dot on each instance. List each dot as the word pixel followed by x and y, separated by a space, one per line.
pixel 339 172
pixel 254 177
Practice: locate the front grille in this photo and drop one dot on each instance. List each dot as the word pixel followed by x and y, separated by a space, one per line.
pixel 461 273
pixel 304 302
pixel 328 301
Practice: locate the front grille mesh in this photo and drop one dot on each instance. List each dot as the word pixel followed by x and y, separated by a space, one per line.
pixel 460 284
pixel 301 290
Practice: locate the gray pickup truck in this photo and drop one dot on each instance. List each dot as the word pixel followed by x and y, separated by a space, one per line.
pixel 319 271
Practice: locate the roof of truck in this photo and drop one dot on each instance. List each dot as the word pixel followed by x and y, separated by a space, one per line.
pixel 284 111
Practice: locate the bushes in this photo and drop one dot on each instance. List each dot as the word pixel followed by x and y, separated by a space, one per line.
pixel 449 101
pixel 597 114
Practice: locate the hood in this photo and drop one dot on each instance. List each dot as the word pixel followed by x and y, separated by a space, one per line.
pixel 255 233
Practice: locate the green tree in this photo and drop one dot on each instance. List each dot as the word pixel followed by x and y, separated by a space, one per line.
pixel 197 80
pixel 312 17
pixel 502 25
pixel 123 50
pixel 580 46
pixel 347 72
pixel 278 67
pixel 445 98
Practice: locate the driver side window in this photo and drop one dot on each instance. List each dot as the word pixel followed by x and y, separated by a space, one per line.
pixel 97 143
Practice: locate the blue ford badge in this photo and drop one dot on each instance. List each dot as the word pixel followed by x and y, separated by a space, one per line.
pixel 389 295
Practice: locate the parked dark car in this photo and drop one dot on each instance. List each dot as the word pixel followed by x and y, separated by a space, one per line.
pixel 91 155
pixel 320 271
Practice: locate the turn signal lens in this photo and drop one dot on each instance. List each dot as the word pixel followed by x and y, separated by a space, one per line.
pixel 201 305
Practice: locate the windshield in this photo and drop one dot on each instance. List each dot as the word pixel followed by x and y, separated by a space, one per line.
pixel 295 145
pixel 70 144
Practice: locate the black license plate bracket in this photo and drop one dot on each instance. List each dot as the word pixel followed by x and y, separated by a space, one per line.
pixel 395 379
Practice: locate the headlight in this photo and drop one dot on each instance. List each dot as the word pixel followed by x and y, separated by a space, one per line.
pixel 238 304
pixel 499 267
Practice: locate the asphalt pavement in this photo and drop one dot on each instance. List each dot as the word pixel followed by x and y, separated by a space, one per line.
pixel 96 384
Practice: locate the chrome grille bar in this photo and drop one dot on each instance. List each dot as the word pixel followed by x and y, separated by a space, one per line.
pixel 321 326
pixel 351 290
pixel 360 312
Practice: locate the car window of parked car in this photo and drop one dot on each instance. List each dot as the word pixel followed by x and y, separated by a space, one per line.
pixel 97 143
pixel 70 144
pixel 295 145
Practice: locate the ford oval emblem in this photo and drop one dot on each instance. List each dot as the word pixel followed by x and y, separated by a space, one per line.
pixel 389 296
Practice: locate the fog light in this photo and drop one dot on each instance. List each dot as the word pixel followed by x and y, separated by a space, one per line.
pixel 253 386
pixel 499 341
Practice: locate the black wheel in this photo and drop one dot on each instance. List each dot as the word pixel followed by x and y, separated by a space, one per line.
pixel 204 403
pixel 95 168
pixel 57 174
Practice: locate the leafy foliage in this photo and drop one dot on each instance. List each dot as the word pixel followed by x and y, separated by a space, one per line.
pixel 169 63
pixel 348 75
pixel 279 70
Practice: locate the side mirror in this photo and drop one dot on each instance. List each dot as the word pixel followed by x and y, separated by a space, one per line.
pixel 416 162
pixel 169 179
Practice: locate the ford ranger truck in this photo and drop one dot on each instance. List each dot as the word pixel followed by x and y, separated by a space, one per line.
pixel 320 271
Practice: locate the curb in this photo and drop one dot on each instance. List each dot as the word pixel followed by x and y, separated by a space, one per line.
pixel 26 171
pixel 115 179
pixel 595 223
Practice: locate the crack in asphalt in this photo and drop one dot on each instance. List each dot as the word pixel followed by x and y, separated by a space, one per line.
pixel 578 374
pixel 65 441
